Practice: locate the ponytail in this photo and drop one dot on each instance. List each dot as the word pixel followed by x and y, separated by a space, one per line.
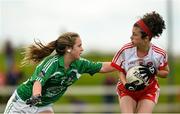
pixel 35 53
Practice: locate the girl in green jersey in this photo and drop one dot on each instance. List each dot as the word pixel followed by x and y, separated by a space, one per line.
pixel 53 74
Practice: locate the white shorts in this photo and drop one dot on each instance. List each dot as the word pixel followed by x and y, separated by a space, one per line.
pixel 16 105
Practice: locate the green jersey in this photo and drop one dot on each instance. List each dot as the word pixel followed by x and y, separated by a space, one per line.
pixel 55 79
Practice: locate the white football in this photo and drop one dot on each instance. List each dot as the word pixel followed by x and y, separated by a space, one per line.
pixel 133 76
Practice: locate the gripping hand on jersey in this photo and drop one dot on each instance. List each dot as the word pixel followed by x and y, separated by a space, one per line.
pixel 148 71
pixel 133 87
pixel 34 100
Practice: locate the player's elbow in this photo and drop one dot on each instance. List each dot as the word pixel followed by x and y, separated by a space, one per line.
pixel 163 74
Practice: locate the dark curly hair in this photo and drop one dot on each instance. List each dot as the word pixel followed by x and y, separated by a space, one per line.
pixel 154 22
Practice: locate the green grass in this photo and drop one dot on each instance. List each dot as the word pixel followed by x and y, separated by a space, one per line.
pixel 97 79
pixel 87 79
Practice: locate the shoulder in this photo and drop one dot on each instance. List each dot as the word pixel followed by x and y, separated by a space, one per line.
pixel 81 60
pixel 127 46
pixel 49 60
pixel 87 66
pixel 158 50
pixel 52 59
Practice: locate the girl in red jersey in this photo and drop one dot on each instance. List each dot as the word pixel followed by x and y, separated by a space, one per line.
pixel 141 99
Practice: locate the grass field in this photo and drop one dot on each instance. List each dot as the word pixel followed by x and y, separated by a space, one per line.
pixel 97 79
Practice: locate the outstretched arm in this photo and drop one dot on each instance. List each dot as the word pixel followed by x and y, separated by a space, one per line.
pixel 106 67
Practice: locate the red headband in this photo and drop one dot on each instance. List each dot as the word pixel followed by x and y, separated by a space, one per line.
pixel 144 27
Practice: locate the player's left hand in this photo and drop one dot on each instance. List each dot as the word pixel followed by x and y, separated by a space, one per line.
pixel 148 71
pixel 34 100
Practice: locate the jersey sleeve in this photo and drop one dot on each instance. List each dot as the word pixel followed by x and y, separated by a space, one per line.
pixel 163 61
pixel 44 70
pixel 89 67
pixel 118 61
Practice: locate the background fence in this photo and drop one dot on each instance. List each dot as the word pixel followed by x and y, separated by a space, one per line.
pixel 101 107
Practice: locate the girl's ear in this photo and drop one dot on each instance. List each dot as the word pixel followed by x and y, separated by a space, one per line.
pixel 68 50
pixel 147 38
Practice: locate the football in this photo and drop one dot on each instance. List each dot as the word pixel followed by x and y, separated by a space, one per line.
pixel 133 76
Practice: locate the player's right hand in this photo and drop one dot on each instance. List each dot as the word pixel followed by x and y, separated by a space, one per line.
pixel 130 86
pixel 34 100
pixel 133 87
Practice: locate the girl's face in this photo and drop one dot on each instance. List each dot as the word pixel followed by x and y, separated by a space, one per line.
pixel 77 49
pixel 136 37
